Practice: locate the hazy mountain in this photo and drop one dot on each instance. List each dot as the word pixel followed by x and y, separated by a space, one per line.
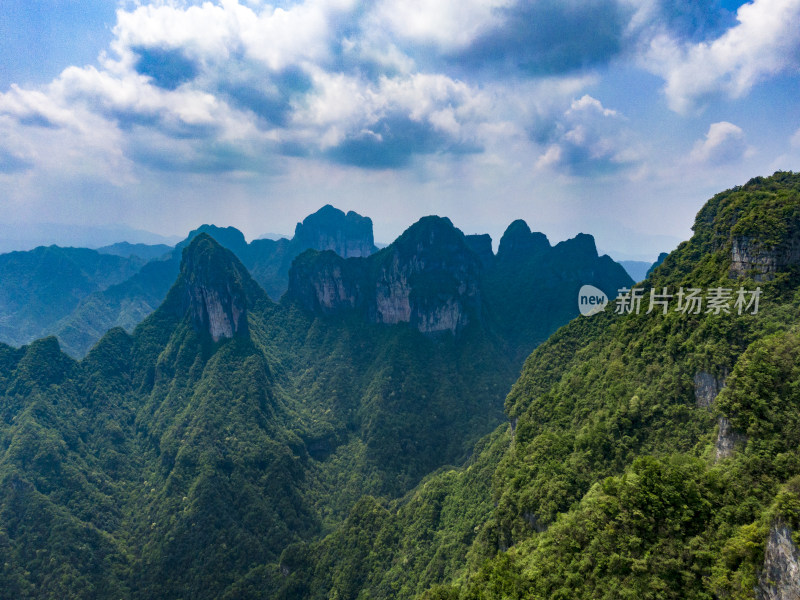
pixel 27 236
pixel 144 251
pixel 41 286
pixel 637 269
pixel 83 311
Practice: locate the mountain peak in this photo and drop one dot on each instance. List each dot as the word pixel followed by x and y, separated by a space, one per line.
pixel 349 235
pixel 229 237
pixel 582 245
pixel 519 241
pixel 214 288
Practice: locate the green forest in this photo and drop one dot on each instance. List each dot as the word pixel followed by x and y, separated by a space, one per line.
pixel 487 443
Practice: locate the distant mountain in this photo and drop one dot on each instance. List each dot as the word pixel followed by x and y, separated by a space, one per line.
pixel 637 269
pixel 27 236
pixel 41 286
pixel 84 313
pixel 145 252
pixel 437 279
pixel 273 236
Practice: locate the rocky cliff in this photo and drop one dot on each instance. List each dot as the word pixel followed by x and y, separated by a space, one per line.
pixel 428 278
pixel 752 257
pixel 213 282
pixel 780 577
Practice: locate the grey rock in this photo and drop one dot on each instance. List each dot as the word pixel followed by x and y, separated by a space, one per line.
pixel 780 577
pixel 751 258
pixel 727 439
pixel 706 388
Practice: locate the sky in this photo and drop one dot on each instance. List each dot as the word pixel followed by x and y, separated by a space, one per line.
pixel 618 118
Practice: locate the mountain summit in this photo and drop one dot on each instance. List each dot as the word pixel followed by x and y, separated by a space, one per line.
pixel 214 283
pixel 329 228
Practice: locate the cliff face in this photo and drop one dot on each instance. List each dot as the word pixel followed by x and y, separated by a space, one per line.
pixel 326 283
pixel 214 290
pixel 749 257
pixel 780 577
pixel 428 278
pixel 348 235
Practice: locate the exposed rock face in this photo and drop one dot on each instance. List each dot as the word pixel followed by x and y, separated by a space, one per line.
pixel 780 577
pixel 214 291
pixel 706 388
pixel 348 235
pixel 727 439
pixel 749 257
pixel 428 278
pixel 326 283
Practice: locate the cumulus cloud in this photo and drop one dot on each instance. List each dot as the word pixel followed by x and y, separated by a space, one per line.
pixel 724 143
pixel 765 42
pixel 240 85
pixel 588 140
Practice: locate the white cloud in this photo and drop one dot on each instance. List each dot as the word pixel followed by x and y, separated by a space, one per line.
pixel 764 43
pixel 449 24
pixel 724 143
pixel 589 140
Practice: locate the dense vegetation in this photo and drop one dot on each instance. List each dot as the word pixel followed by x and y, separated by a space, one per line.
pixel 168 464
pixel 609 482
pixel 315 455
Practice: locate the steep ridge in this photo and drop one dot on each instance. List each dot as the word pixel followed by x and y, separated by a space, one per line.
pixel 427 278
pixel 606 481
pixel 436 279
pixel 225 428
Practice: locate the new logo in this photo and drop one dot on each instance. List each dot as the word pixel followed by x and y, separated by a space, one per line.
pixel 591 300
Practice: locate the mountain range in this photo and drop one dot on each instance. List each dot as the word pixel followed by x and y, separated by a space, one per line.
pixel 91 299
pixel 430 420
pixel 227 426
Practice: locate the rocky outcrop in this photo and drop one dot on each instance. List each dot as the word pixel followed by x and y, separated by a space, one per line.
pixel 326 283
pixel 348 235
pixel 706 388
pixel 727 439
pixel 428 278
pixel 780 577
pixel 750 258
pixel 214 292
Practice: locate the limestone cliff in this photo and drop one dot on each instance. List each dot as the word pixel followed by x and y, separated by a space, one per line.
pixel 780 577
pixel 751 257
pixel 428 278
pixel 214 282
pixel 706 388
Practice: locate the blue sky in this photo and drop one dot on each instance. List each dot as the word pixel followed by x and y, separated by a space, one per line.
pixel 616 118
